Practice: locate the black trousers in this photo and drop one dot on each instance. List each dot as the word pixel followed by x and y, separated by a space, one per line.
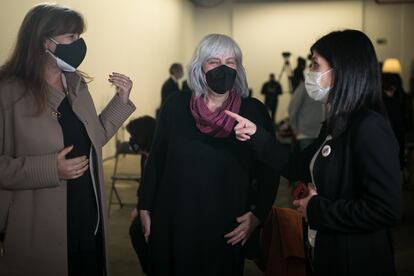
pixel 89 262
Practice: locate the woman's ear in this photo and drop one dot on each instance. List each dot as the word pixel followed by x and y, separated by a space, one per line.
pixel 49 45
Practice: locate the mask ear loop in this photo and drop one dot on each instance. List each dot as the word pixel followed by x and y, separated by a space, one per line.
pixel 54 41
pixel 318 81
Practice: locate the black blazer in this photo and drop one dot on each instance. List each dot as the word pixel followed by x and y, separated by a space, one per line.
pixel 359 195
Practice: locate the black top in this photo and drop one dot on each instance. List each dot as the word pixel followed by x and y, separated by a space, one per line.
pixel 169 88
pixel 359 195
pixel 196 186
pixel 81 205
pixel 271 89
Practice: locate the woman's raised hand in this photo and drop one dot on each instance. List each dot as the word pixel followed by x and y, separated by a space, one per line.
pixel 123 85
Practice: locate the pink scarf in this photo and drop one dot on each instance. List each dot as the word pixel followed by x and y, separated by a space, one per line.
pixel 217 123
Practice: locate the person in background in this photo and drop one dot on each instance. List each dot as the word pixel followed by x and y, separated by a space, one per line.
pixel 393 98
pixel 52 218
pixel 185 87
pixel 194 202
pixel 141 132
pixel 271 90
pixel 298 73
pixel 305 117
pixel 171 85
pixel 354 196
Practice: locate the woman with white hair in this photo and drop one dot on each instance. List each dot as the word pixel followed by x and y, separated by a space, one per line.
pixel 195 206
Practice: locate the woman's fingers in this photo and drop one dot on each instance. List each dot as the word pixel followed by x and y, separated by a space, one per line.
pixel 71 168
pixel 235 232
pixel 146 223
pixel 120 83
pixel 83 169
pixel 76 168
pixel 244 128
pixel 236 235
pixel 75 161
pixel 62 153
pixel 240 232
pixel 119 75
pixel 235 116
pixel 235 240
pixel 79 173
pixel 121 78
pixel 80 165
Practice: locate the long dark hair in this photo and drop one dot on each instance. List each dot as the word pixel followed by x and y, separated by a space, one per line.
pixel 356 77
pixel 27 62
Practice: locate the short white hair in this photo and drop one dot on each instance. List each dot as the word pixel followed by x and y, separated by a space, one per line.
pixel 211 46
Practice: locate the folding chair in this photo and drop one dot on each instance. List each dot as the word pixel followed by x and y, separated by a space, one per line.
pixel 122 149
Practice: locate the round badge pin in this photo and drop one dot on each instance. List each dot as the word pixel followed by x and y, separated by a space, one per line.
pixel 326 150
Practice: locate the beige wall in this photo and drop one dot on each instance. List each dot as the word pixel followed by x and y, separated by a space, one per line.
pixel 213 20
pixel 140 38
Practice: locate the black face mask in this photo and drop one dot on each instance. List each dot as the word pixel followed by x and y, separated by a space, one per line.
pixel 73 53
pixel 221 79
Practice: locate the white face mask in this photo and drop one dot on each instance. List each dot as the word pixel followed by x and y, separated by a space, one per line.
pixel 61 64
pixel 313 86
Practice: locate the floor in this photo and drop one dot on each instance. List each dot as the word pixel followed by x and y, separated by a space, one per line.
pixel 124 262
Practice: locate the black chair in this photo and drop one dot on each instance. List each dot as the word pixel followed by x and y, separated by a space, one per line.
pixel 122 149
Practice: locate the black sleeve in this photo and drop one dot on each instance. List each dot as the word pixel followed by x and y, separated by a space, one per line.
pixel 298 167
pixel 293 166
pixel 375 151
pixel 154 166
pixel 268 150
pixel 266 178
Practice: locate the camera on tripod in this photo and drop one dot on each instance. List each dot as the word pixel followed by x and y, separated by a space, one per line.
pixel 286 56
pixel 286 69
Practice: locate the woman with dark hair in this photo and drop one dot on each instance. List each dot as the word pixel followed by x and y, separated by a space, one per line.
pixel 194 203
pixel 52 221
pixel 355 193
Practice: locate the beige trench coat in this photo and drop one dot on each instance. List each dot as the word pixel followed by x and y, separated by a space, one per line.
pixel 32 198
